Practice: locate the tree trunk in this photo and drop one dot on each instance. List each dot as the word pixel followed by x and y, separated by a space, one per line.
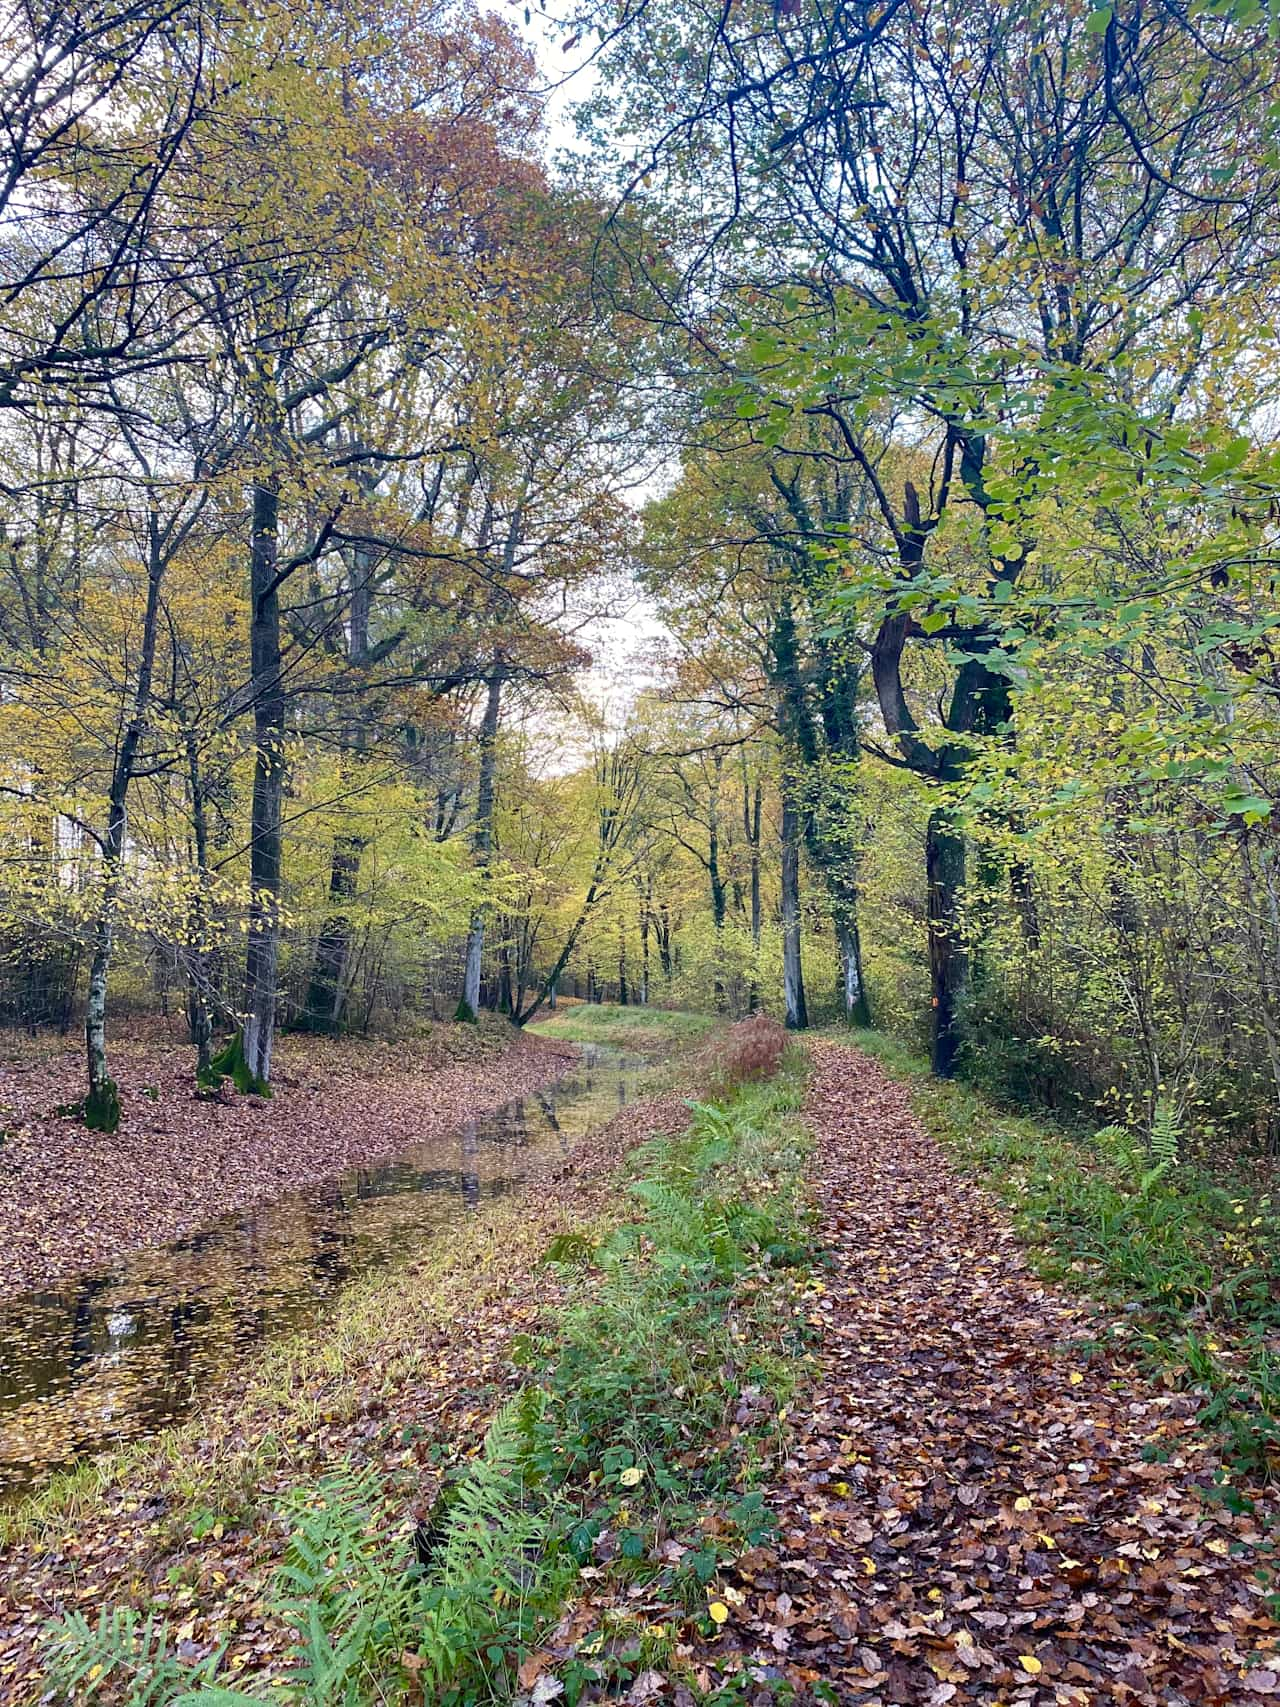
pixel 102 1104
pixel 751 816
pixel 948 962
pixel 797 1017
pixel 199 1017
pixel 326 994
pixel 754 836
pixel 857 1009
pixel 663 928
pixel 482 841
pixel 266 812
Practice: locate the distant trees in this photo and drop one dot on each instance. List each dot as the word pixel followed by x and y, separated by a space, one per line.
pixel 325 417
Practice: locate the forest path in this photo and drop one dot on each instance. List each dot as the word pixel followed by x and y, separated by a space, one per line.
pixel 967 1513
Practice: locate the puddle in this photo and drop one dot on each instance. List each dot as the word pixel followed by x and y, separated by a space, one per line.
pixel 115 1354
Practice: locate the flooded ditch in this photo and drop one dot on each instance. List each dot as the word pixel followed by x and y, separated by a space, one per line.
pixel 118 1353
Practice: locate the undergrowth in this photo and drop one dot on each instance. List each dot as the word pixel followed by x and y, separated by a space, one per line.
pixel 632 1459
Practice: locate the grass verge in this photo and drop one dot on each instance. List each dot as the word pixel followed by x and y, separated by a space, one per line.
pixel 641 1029
pixel 584 1538
pixel 1192 1259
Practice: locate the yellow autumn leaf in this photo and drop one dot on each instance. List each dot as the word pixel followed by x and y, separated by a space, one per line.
pixel 1022 1503
pixel 630 1477
pixel 1030 1663
pixel 1076 1378
pixel 719 1612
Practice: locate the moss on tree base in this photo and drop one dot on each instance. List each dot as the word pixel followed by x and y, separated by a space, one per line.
pixel 100 1110
pixel 231 1063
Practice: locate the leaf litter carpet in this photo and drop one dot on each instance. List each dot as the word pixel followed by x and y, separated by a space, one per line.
pixel 968 1514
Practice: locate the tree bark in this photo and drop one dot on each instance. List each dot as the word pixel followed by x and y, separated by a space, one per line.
pixel 645 901
pixel 482 839
pixel 199 1018
pixel 853 988
pixel 753 833
pixel 796 1012
pixel 266 812
pixel 948 962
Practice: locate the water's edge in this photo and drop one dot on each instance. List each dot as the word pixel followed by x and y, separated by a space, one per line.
pixel 117 1354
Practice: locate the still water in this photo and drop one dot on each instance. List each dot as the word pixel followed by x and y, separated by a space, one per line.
pixel 118 1353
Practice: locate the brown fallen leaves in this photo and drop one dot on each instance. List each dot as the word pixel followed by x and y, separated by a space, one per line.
pixel 71 1199
pixel 972 1511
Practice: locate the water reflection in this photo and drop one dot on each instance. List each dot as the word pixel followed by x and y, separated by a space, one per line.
pixel 118 1353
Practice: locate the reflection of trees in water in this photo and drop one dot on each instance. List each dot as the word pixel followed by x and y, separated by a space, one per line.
pixel 469 1176
pixel 47 1339
pixel 517 1126
pixel 199 1303
pixel 80 1344
pixel 186 1320
pixel 332 1233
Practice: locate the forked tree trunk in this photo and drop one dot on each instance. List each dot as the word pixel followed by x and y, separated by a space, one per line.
pixel 262 961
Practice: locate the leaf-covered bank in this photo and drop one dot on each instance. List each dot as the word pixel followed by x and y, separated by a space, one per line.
pixel 72 1200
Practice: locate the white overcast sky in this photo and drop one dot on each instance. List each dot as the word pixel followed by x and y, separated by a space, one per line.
pixel 622 645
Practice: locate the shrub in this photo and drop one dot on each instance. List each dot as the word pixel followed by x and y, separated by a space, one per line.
pixel 750 1050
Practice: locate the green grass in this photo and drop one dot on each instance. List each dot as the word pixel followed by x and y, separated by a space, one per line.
pixel 639 1446
pixel 1193 1258
pixel 626 1028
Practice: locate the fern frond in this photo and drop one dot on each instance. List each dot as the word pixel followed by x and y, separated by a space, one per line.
pixel 1166 1133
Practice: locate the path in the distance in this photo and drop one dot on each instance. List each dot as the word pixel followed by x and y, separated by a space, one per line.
pixel 968 1514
